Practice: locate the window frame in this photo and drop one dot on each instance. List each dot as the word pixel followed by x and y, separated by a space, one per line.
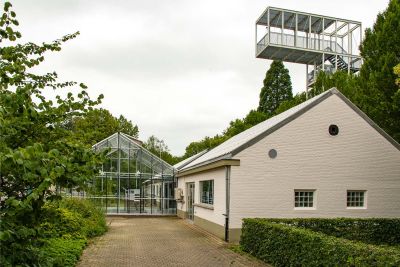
pixel 364 199
pixel 210 201
pixel 314 199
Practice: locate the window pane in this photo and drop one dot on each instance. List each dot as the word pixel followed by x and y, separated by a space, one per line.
pixel 304 198
pixel 355 198
pixel 207 192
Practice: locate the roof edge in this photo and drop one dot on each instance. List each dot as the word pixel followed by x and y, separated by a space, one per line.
pixel 196 156
pixel 224 156
pixel 209 166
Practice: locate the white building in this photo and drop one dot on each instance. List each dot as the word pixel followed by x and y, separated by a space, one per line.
pixel 322 158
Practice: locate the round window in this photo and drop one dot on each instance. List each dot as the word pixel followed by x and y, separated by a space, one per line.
pixel 333 129
pixel 272 153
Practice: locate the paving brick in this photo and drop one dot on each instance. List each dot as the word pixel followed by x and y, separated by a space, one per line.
pixel 159 242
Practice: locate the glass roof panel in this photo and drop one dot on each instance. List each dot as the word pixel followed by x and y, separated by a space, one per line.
pixel 130 146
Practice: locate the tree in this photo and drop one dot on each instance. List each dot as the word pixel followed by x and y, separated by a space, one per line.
pixel 126 126
pixel 381 53
pixel 396 71
pixel 160 149
pixel 37 151
pixel 374 91
pixel 98 124
pixel 396 97
pixel 277 88
pixel 235 127
pixel 239 125
pixel 347 84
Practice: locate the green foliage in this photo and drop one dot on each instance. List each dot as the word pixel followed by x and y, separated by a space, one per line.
pixel 160 149
pixel 277 88
pixel 288 104
pixel 284 245
pixel 235 127
pixel 60 252
pixel 374 91
pixel 396 70
pixel 206 143
pixel 381 52
pixel 37 152
pixel 99 124
pixel 71 216
pixel 376 231
pixel 66 226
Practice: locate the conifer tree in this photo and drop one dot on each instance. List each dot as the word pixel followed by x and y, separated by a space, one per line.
pixel 277 88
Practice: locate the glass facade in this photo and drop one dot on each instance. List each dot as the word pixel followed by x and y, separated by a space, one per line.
pixel 132 180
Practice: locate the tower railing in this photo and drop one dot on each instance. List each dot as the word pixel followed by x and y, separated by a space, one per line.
pixel 303 42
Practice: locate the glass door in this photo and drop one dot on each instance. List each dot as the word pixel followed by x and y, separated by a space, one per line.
pixel 190 201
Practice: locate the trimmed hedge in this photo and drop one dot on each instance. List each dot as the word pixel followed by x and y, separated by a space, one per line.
pixel 285 245
pixel 378 231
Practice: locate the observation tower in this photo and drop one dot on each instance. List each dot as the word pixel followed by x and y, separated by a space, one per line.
pixel 320 42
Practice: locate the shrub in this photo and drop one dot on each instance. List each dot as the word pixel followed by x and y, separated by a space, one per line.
pixel 62 251
pixel 73 216
pixel 285 245
pixel 378 231
pixel 59 239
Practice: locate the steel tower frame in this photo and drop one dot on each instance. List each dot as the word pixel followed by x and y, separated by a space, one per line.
pixel 320 42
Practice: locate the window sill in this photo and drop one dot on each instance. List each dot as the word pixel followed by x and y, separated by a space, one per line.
pixel 356 208
pixel 205 206
pixel 304 208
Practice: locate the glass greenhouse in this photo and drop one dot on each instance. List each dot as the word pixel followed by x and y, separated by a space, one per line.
pixel 132 180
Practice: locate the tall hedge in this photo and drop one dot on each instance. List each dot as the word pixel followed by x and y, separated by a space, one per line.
pixel 285 245
pixel 378 231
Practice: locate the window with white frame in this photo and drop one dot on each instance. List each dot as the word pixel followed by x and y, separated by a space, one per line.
pixel 304 198
pixel 355 199
pixel 207 192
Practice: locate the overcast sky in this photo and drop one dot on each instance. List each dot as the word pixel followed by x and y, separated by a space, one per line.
pixel 179 69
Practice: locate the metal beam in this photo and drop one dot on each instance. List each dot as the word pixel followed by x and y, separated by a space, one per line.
pixel 311 14
pixel 338 29
pixel 283 26
pixel 349 31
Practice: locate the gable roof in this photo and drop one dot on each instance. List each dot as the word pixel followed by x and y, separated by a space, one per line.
pixel 241 141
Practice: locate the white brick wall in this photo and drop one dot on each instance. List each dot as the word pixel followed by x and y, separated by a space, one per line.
pixel 309 158
pixel 218 175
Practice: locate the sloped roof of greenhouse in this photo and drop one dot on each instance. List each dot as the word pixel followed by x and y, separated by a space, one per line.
pixel 131 146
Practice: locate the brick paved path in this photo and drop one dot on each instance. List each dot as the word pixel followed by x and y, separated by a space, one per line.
pixel 159 242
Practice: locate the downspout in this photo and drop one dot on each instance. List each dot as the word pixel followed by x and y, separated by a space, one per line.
pixel 227 201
